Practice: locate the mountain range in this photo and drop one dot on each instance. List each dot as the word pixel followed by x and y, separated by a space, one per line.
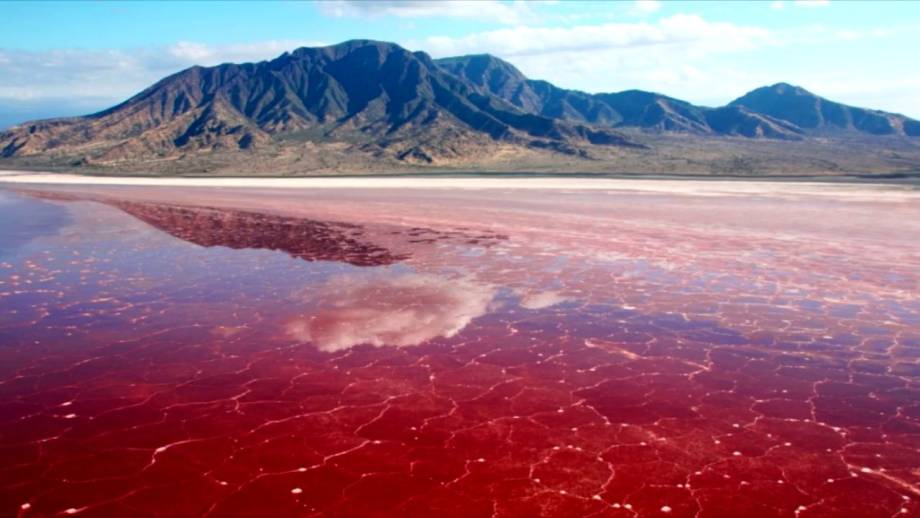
pixel 371 106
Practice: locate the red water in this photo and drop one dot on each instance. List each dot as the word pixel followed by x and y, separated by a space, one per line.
pixel 477 353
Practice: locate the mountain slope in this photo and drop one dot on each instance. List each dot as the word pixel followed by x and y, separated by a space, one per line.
pixel 631 108
pixel 634 108
pixel 819 115
pixel 742 122
pixel 780 111
pixel 368 106
pixel 493 76
pixel 374 96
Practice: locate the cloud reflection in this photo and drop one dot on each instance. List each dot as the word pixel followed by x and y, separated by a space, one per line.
pixel 396 311
pixel 541 300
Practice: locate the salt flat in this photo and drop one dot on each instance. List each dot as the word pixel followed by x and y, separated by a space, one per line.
pixel 688 186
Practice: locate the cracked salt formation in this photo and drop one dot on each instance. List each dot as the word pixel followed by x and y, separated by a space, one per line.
pixel 367 353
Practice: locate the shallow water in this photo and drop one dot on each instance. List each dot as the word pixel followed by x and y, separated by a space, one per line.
pixel 458 353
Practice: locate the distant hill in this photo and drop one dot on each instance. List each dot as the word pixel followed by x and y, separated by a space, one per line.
pixel 366 105
pixel 819 115
pixel 779 112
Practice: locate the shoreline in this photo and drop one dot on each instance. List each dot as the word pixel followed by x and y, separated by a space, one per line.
pixel 688 186
pixel 900 178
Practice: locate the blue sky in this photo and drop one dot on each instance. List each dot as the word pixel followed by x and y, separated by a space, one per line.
pixel 64 58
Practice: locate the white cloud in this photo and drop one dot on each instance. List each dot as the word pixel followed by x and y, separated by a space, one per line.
pixel 201 54
pixel 387 310
pixel 669 55
pixel 89 80
pixel 678 31
pixel 190 51
pixel 777 5
pixel 514 12
pixel 643 7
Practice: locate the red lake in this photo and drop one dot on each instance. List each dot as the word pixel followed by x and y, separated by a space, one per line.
pixel 708 349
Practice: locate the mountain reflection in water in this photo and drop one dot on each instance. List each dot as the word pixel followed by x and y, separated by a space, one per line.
pixel 301 238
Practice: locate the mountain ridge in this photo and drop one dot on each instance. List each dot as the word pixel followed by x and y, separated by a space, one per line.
pixel 764 116
pixel 375 103
pixel 812 112
pixel 361 87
